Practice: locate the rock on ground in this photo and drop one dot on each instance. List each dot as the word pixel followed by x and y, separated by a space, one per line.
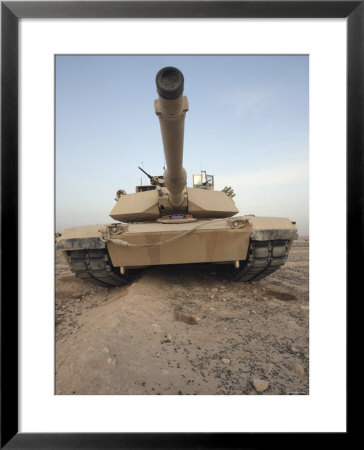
pixel 260 385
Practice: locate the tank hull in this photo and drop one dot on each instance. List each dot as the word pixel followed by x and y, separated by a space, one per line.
pixel 253 247
pixel 213 241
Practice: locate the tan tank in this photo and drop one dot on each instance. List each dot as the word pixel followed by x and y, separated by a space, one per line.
pixel 170 223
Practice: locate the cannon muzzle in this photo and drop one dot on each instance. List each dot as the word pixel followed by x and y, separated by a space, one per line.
pixel 171 108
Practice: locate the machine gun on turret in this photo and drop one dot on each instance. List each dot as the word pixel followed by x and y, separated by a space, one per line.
pixel 155 181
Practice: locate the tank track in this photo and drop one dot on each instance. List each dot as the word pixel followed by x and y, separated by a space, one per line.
pixel 264 258
pixel 96 265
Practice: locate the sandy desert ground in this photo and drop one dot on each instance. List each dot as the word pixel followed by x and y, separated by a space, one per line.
pixel 185 330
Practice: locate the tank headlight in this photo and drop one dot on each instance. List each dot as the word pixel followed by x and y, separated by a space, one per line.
pixel 236 223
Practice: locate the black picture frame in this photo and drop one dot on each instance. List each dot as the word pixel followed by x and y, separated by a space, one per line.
pixel 11 12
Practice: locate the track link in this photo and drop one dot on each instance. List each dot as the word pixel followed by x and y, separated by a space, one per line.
pixel 264 258
pixel 96 265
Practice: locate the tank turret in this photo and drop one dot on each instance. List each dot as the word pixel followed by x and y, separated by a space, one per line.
pixel 170 195
pixel 171 107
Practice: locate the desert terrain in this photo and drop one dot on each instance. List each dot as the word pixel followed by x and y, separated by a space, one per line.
pixel 185 330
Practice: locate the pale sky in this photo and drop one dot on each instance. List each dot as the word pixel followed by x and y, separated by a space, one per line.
pixel 247 125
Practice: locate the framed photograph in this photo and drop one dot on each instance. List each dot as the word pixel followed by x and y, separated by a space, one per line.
pixel 71 69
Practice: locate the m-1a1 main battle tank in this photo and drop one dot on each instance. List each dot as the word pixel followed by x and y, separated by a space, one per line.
pixel 169 223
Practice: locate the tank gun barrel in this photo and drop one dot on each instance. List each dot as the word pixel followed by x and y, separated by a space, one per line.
pixel 171 107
